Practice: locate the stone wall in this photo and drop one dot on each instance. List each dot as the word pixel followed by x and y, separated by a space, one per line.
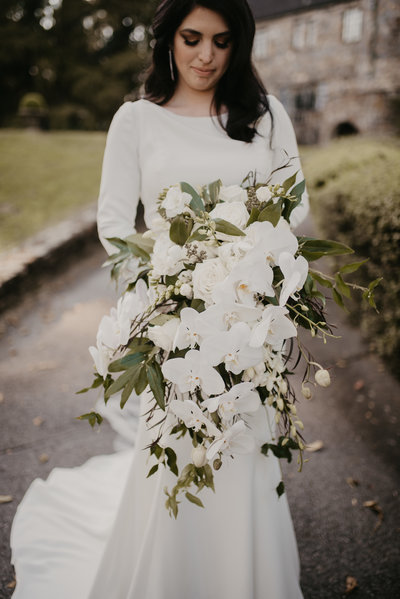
pixel 328 84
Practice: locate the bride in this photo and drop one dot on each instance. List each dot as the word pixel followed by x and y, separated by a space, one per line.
pixel 101 531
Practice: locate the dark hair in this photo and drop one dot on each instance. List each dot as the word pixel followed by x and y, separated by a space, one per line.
pixel 239 89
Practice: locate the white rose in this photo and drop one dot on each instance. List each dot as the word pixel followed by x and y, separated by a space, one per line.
pixel 263 194
pixel 234 212
pixel 322 378
pixel 176 201
pixel 232 193
pixel 167 257
pixel 199 457
pixel 186 290
pixel 163 335
pixel 205 276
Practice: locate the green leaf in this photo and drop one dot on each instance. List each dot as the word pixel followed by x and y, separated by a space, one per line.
pixel 129 387
pixel 342 286
pixel 181 227
pixel 289 182
pixel 313 249
pixel 280 489
pixel 138 252
pixel 144 243
pixel 141 381
pixel 161 319
pixel 119 243
pixel 171 460
pixel 348 268
pixel 254 214
pixel 127 361
pixel 213 190
pixel 197 236
pixel 223 226
pixel 92 418
pixel 298 189
pixel 156 382
pixel 194 499
pixel 374 283
pixel 338 299
pixel 271 213
pixel 98 381
pixel 152 470
pixel 196 204
pixel 121 381
pixel 320 279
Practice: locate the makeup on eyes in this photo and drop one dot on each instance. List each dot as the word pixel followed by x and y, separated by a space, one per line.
pixel 192 38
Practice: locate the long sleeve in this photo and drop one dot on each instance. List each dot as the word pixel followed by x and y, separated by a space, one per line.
pixel 120 179
pixel 284 146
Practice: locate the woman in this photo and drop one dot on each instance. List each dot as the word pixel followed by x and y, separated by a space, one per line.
pixel 205 116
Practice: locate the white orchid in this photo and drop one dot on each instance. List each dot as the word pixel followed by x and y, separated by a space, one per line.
pixel 192 329
pixel 192 416
pixel 221 316
pixel 193 371
pixel 273 328
pixel 272 241
pixel 163 336
pixel 235 439
pixel 240 399
pixel 232 349
pixel 250 276
pixel 295 273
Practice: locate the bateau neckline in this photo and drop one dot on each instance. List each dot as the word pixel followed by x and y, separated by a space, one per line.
pixel 183 116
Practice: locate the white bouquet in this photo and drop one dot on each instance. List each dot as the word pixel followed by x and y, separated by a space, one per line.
pixel 216 291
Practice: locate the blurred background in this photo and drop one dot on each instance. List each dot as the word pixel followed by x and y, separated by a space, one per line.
pixel 65 68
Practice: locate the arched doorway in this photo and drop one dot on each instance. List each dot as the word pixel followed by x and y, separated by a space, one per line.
pixel 345 128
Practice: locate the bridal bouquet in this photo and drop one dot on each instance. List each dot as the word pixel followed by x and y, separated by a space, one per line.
pixel 215 293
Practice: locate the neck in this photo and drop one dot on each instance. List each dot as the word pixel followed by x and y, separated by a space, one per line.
pixel 190 102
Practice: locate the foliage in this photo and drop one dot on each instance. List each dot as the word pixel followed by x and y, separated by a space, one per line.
pixel 90 54
pixel 355 191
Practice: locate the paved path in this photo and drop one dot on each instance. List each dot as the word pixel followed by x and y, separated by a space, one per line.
pixel 44 359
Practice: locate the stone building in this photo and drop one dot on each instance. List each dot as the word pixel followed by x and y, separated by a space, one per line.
pixel 335 65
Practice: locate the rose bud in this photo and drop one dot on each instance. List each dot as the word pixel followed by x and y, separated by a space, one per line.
pixel 322 378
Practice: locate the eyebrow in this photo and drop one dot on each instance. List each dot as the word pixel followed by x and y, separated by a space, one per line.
pixel 194 32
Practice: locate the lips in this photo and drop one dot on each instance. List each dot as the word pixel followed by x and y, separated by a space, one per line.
pixel 203 72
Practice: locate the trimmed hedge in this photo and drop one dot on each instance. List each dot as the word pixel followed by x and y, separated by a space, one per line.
pixel 354 185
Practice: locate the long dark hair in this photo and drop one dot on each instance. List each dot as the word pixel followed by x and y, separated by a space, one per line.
pixel 239 89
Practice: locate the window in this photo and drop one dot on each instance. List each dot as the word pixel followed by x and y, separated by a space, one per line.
pixel 352 25
pixel 261 43
pixel 304 34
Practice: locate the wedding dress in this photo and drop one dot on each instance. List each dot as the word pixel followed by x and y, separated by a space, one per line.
pixel 101 531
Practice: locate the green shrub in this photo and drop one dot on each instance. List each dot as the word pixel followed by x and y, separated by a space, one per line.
pixel 354 186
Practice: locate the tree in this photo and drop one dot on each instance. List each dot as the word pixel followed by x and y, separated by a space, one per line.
pixel 88 54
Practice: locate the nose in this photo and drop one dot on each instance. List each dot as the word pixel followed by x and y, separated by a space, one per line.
pixel 206 52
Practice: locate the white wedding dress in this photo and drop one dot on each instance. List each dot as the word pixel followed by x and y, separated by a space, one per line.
pixel 101 531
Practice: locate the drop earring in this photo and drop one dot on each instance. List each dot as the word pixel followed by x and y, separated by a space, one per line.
pixel 171 65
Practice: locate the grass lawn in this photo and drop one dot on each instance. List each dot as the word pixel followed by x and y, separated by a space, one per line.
pixel 45 176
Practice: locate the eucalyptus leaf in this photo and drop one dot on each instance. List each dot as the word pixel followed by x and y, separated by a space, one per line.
pixel 129 387
pixel 141 381
pixel 194 499
pixel 223 226
pixel 92 418
pixel 299 189
pixel 180 229
pixel 271 213
pixel 313 249
pixel 348 268
pixel 338 299
pixel 138 252
pixel 117 242
pixel 280 489
pixel 144 243
pixel 254 214
pixel 288 183
pixel 342 286
pixel 196 204
pixel 152 470
pixel 172 460
pixel 321 279
pixel 121 381
pixel 161 319
pixel 213 190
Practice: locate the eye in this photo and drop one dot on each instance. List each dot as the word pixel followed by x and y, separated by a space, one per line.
pixel 191 42
pixel 223 43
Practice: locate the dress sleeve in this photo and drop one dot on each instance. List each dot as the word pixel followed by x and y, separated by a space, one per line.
pixel 284 146
pixel 120 178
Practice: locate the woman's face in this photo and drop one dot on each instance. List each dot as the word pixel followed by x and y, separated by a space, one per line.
pixel 202 49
